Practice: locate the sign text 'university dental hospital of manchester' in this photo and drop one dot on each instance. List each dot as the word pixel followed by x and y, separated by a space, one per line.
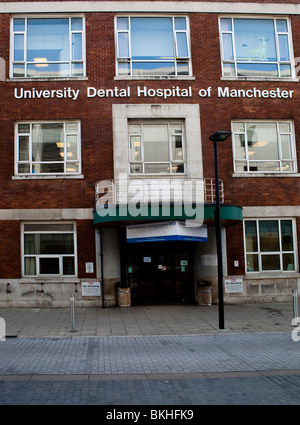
pixel 146 92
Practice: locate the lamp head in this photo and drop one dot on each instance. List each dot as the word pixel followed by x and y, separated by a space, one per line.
pixel 220 136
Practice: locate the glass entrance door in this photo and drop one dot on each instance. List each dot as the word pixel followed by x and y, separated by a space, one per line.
pixel 160 272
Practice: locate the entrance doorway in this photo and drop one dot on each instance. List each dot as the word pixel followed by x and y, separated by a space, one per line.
pixel 160 272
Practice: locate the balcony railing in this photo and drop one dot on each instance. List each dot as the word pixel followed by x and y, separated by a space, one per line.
pixel 157 190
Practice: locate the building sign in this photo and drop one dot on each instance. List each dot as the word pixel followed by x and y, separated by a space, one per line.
pixel 149 92
pixel 166 231
pixel 233 285
pixel 91 289
pixel 89 267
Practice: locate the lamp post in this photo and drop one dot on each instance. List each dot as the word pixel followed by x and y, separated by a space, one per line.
pixel 219 136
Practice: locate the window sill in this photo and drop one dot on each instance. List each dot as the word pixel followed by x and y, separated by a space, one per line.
pixel 286 80
pixel 148 77
pixel 272 275
pixel 58 279
pixel 280 175
pixel 22 80
pixel 42 177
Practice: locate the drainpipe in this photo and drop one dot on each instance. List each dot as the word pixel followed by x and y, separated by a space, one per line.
pixel 101 266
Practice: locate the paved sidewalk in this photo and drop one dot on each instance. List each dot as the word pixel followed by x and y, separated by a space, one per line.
pixel 148 320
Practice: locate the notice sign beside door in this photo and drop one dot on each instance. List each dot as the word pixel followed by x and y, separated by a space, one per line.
pixel 91 289
pixel 233 285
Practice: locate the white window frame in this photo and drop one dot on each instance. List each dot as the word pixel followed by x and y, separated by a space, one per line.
pixel 171 162
pixel 280 252
pixel 39 256
pixel 280 160
pixel 278 62
pixel 70 61
pixel 176 60
pixel 30 162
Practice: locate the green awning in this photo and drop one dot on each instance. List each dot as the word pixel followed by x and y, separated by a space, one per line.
pixel 230 214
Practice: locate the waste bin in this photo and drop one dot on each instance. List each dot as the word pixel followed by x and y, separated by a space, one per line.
pixel 204 292
pixel 124 297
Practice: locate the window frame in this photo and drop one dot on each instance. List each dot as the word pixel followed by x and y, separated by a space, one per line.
pixel 171 162
pixel 70 60
pixel 41 256
pixel 280 160
pixel 280 252
pixel 31 162
pixel 175 60
pixel 276 33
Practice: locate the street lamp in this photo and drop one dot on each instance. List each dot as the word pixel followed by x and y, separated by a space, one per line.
pixel 219 136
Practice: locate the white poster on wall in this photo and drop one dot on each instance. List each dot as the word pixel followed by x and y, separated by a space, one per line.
pixel 91 289
pixel 234 285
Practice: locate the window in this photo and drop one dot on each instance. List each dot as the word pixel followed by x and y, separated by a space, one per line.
pixel 152 46
pixel 156 148
pixel 47 47
pixel 263 147
pixel 48 148
pixel 49 249
pixel 269 245
pixel 256 47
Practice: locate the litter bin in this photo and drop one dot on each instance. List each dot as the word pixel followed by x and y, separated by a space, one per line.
pixel 124 297
pixel 204 292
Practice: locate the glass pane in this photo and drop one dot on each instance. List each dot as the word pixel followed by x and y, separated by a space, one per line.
pixel 44 70
pixel 180 23
pixel 269 236
pixel 264 167
pixel 122 23
pixel 41 227
pixel 285 71
pixel 76 69
pixel 252 263
pixel 123 45
pixel 23 168
pixel 153 68
pixel 23 148
pixel 48 168
pixel 182 48
pixel 284 128
pixel 240 166
pixel 251 236
pixel 18 47
pixel 68 266
pixel 228 70
pixel 72 167
pixel 227 47
pixel 156 143
pixel 270 262
pixel 72 147
pixel 152 38
pixel 48 38
pixel 262 141
pixel 238 127
pixel 239 141
pixel 77 47
pixel 284 47
pixel 257 70
pixel 182 68
pixel 177 153
pixel 286 148
pixel 71 127
pixel 177 168
pixel 18 70
pixel 30 266
pixel 136 168
pixel 23 128
pixel 288 262
pixel 19 25
pixel 255 40
pixel 176 128
pixel 157 168
pixel 76 24
pixel 281 25
pixel 135 148
pixel 60 243
pixel 287 166
pixel 123 68
pixel 226 24
pixel 287 235
pixel 49 265
pixel 134 128
pixel 48 142
pixel 29 244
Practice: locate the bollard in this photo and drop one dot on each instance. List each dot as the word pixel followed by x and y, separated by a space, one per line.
pixel 72 311
pixel 295 308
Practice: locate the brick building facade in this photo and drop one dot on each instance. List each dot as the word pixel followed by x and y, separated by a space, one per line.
pixel 119 92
